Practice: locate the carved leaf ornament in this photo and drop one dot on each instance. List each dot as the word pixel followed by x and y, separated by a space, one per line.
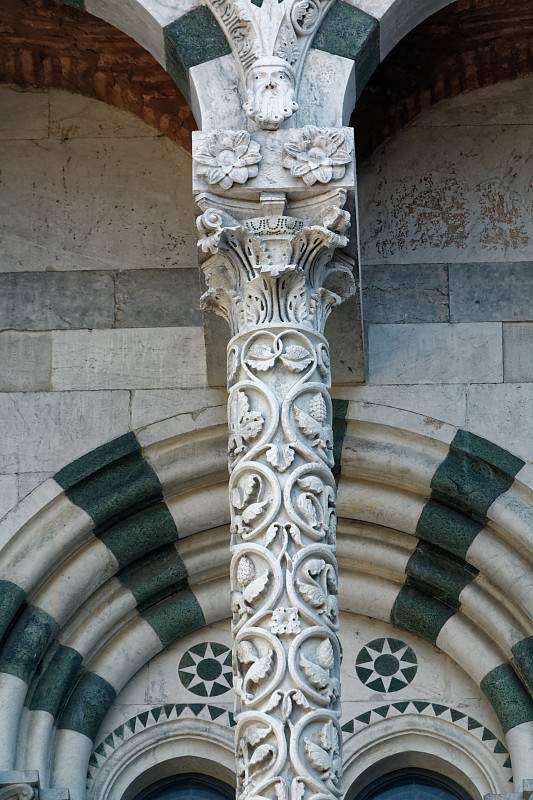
pixel 244 424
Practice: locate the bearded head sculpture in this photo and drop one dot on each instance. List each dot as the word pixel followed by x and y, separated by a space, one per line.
pixel 270 87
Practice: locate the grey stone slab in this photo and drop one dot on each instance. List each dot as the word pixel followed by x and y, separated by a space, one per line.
pixel 405 293
pixel 23 114
pixel 43 431
pixel 491 292
pixel 445 402
pixel 73 116
pixel 343 331
pixel 518 351
pixel 435 353
pixel 8 493
pixel 120 203
pixel 152 405
pixel 157 298
pixel 25 361
pixel 28 481
pixel 503 413
pixel 51 300
pixel 345 336
pixel 128 358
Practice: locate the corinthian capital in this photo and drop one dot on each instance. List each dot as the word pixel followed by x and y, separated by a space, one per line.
pixel 274 270
pixel 272 255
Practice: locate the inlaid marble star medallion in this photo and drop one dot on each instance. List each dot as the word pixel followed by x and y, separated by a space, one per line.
pixel 386 665
pixel 205 669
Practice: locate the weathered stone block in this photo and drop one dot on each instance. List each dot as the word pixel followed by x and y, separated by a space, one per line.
pixel 151 405
pixel 28 481
pixel 97 203
pixel 518 351
pixel 43 431
pixel 435 353
pixel 491 292
pixel 73 116
pixel 157 298
pixel 405 293
pixel 444 402
pixel 433 196
pixel 28 114
pixel 51 300
pixel 503 414
pixel 135 358
pixel 25 361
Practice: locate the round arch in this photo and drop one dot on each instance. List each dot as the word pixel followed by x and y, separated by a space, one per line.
pixel 125 550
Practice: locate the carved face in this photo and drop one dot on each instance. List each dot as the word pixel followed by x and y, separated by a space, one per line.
pixel 270 92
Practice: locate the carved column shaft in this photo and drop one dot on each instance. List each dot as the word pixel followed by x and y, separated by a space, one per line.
pixel 283 570
pixel 274 279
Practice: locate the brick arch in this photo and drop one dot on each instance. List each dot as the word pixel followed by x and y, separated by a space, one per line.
pixel 466 46
pixel 44 43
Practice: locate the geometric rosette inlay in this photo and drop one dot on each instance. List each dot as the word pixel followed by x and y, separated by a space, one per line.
pixel 205 669
pixel 386 665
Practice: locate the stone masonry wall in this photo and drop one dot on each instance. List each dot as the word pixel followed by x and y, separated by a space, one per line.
pixel 447 250
pixel 47 43
pixel 99 291
pixel 100 324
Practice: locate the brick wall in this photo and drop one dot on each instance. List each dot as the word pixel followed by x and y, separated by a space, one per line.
pixel 467 45
pixel 47 44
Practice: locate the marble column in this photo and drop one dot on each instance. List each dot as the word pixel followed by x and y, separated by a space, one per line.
pixel 274 269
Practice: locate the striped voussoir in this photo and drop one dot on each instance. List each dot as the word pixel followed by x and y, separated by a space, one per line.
pixel 468 481
pixel 71 642
pixel 195 37
pixel 121 493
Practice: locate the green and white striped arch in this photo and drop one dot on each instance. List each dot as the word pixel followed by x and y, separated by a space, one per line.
pixel 184 36
pixel 126 551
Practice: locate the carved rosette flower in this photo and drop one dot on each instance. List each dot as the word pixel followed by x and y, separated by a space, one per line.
pixel 317 155
pixel 228 157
